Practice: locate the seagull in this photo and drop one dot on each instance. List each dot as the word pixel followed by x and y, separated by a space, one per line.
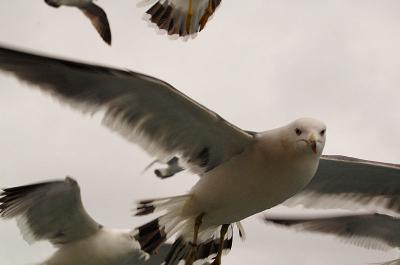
pixel 53 211
pixel 350 183
pixel 368 230
pixel 241 173
pixel 182 17
pixel 92 11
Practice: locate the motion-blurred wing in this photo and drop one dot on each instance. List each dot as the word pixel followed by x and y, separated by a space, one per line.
pixel 174 15
pixel 347 183
pixel 48 211
pixel 143 109
pixel 99 20
pixel 368 230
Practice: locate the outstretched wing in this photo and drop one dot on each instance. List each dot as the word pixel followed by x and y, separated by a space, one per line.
pixel 366 230
pixel 99 20
pixel 174 15
pixel 143 109
pixel 346 182
pixel 48 211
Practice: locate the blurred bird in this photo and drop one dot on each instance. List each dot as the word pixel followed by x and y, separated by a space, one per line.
pixel 92 11
pixel 242 173
pixel 53 211
pixel 376 231
pixel 182 17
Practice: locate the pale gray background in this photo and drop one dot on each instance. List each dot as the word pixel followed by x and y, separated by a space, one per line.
pixel 259 63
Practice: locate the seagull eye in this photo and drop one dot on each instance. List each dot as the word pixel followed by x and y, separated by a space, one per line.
pixel 323 132
pixel 298 131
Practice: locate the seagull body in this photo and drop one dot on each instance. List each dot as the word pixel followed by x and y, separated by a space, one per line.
pixel 242 173
pixel 106 247
pixel 93 12
pixel 264 175
pixel 182 17
pixel 53 211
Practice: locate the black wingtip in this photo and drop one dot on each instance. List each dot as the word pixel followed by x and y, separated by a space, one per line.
pixel 52 4
pixel 151 236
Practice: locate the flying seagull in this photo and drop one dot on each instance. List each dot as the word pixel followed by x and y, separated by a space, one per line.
pixel 242 173
pixel 53 211
pixel 182 17
pixel 376 231
pixel 92 11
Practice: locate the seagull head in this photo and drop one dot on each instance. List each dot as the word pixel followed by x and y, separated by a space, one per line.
pixel 306 135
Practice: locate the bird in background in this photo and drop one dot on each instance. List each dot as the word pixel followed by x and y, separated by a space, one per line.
pixel 368 230
pixel 242 173
pixel 181 17
pixel 53 211
pixel 93 12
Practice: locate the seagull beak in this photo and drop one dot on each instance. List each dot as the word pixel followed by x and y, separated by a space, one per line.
pixel 313 143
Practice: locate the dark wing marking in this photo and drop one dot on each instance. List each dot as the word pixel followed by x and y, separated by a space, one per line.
pixel 99 20
pixel 346 182
pixel 143 109
pixel 48 211
pixel 172 16
pixel 367 230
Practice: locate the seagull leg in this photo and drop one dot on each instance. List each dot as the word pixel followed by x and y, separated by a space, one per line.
pixel 217 259
pixel 189 17
pixel 193 251
pixel 207 13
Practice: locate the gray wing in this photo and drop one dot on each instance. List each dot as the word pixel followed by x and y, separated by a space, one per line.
pixel 143 109
pixel 48 211
pixel 345 182
pixel 99 20
pixel 367 230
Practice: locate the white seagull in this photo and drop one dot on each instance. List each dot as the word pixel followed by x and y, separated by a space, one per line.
pixel 376 231
pixel 242 173
pixel 93 12
pixel 53 211
pixel 182 17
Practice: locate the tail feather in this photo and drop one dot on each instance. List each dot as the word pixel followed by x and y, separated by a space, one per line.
pixel 154 233
pixel 149 206
pixel 150 236
pixel 206 250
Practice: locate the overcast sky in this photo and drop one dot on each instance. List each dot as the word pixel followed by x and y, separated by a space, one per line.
pixel 260 64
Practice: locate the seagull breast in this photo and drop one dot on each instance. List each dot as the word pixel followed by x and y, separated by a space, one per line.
pixel 251 182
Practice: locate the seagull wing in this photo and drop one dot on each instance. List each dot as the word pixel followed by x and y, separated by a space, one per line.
pixel 99 20
pixel 143 109
pixel 174 17
pixel 48 211
pixel 375 231
pixel 346 182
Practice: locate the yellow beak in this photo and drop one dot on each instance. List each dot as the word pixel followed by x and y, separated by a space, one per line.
pixel 313 143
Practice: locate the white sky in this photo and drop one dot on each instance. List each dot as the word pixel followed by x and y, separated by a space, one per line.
pixel 259 63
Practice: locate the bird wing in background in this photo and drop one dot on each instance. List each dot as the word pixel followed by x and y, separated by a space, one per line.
pixel 96 14
pixel 143 109
pixel 347 183
pixel 48 211
pixel 182 17
pixel 99 20
pixel 375 231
